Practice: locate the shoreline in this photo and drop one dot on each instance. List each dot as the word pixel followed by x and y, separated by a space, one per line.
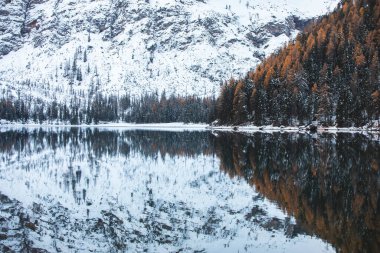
pixel 180 126
pixel 176 126
pixel 301 129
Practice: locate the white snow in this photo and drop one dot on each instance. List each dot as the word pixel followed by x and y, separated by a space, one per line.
pixel 181 127
pixel 187 59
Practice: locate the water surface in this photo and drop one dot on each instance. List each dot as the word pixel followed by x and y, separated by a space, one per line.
pixel 82 189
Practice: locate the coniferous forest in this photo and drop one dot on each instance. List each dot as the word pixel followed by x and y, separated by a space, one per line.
pixel 329 73
pixel 149 108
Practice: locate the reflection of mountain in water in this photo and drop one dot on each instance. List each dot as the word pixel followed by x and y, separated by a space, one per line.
pixel 162 191
pixel 86 152
pixel 109 191
pixel 88 147
pixel 330 184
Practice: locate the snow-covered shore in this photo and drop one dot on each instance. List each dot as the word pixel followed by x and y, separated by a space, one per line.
pixel 175 126
pixel 270 128
pixel 180 126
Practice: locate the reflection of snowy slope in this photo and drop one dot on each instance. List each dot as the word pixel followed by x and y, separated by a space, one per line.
pixel 136 46
pixel 84 200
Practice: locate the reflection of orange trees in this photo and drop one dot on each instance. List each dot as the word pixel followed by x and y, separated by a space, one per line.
pixel 329 185
pixel 231 149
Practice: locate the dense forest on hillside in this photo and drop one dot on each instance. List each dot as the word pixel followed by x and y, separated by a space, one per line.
pixel 149 108
pixel 329 73
pixel 153 109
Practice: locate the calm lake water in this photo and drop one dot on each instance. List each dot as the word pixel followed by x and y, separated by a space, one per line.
pixel 99 190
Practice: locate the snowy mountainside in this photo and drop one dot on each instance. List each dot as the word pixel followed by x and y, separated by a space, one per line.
pixel 53 49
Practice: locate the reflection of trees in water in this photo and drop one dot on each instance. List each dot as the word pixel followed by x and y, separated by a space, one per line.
pixel 330 184
pixel 96 144
pixel 151 143
pixel 75 140
pixel 87 147
pixel 81 149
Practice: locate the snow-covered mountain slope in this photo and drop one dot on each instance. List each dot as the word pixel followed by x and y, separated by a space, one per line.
pixel 51 49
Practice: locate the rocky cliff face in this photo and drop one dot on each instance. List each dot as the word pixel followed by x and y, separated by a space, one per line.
pixel 54 49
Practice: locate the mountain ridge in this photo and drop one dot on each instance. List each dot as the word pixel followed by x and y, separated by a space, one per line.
pixel 136 47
